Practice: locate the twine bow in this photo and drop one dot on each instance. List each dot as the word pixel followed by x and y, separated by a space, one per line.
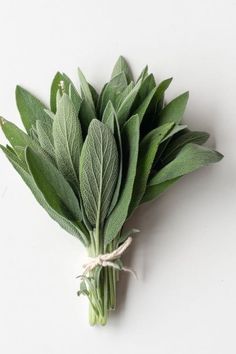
pixel 107 259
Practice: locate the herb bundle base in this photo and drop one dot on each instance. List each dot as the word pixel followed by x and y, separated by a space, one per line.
pixel 91 159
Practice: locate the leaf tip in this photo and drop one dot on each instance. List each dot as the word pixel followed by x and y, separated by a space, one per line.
pixel 2 121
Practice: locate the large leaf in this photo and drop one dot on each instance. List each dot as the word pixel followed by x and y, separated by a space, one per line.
pixel 56 190
pixel 71 227
pixel 98 172
pixel 147 152
pixel 122 66
pixel 173 111
pixel 30 108
pixel 130 137
pixel 189 159
pixel 176 145
pixel 67 140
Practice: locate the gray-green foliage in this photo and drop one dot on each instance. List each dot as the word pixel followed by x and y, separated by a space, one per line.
pixel 94 158
pixel 91 159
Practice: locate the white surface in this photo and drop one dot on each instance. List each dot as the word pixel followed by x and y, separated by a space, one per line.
pixel 184 302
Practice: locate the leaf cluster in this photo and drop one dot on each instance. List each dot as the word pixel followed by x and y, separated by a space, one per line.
pixel 92 158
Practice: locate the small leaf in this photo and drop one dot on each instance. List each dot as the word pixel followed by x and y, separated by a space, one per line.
pixel 122 66
pixel 45 137
pixel 98 171
pixel 147 85
pixel 147 152
pixel 30 108
pixel 173 112
pixel 86 115
pixel 125 107
pixel 67 140
pixel 17 137
pixel 144 74
pixel 153 192
pixel 123 237
pixel 141 110
pixel 176 129
pixel 130 137
pixel 189 159
pixel 112 91
pixel 85 88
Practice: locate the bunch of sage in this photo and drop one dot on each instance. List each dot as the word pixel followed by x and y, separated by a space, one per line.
pixel 92 159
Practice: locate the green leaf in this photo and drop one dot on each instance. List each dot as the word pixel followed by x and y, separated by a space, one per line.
pixel 108 111
pixel 112 91
pixel 147 152
pixel 176 145
pixel 45 138
pixel 125 107
pixel 54 187
pixel 75 99
pixel 98 172
pixel 130 139
pixel 71 227
pixel 68 88
pixel 162 87
pixel 173 111
pixel 30 108
pixel 125 234
pixel 67 140
pixel 117 135
pixel 176 129
pixel 122 66
pixel 147 85
pixel 189 159
pixel 124 94
pixel 153 192
pixel 143 74
pixel 17 137
pixel 86 115
pixel 141 110
pixel 85 88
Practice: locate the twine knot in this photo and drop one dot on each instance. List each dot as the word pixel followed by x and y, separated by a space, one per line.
pixel 107 259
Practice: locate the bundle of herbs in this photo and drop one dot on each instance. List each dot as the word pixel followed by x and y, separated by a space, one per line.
pixel 92 159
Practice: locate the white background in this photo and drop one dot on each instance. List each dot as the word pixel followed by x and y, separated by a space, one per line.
pixel 185 255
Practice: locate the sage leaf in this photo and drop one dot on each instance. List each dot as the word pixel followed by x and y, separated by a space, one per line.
pixel 68 140
pixel 45 137
pixel 85 88
pixel 51 182
pixel 98 172
pixel 154 191
pixel 73 228
pixel 147 152
pixel 17 137
pixel 112 91
pixel 130 140
pixel 190 158
pixel 30 108
pixel 189 137
pixel 173 111
pixel 122 66
pixel 125 108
